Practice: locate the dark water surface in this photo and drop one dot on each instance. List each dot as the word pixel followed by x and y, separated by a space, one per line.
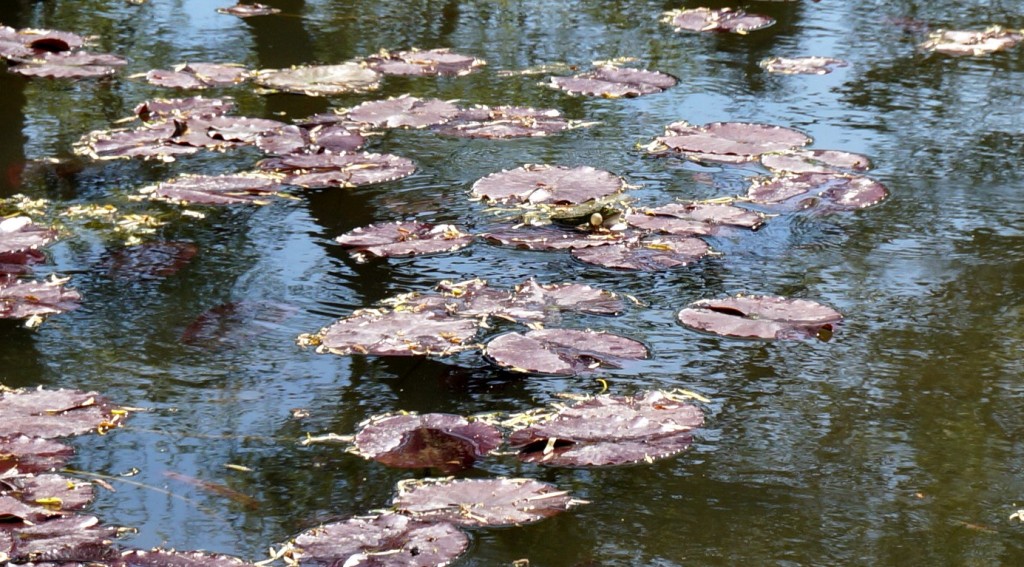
pixel 898 442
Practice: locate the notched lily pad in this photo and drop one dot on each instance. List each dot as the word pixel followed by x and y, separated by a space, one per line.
pixel 229 189
pixel 396 333
pixel 433 440
pixel 36 41
pixel 313 139
pixel 695 219
pixel 153 141
pixel 614 82
pixel 199 75
pixel 481 502
pixel 761 317
pixel 31 299
pixel 989 40
pixel 403 112
pixel 562 351
pixel 417 62
pixel 801 65
pixel 648 253
pixel 320 80
pixel 505 122
pixel 815 161
pixel 404 239
pixel 386 540
pixel 70 65
pixel 54 413
pixel 824 191
pixel 548 184
pixel 248 10
pixel 347 169
pixel 720 20
pixel 726 142
pixel 610 430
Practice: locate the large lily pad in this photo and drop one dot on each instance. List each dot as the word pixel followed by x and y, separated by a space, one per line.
pixel 549 238
pixel 25 299
pixel 229 189
pixel 801 65
pixel 53 413
pixel 347 169
pixel 726 142
pixel 20 241
pixel 172 558
pixel 313 139
pixel 404 239
pixel 386 540
pixel 955 42
pixel 404 112
pixel 610 430
pixel 695 219
pixel 721 20
pixel 614 82
pixel 445 441
pixel 548 184
pixel 417 62
pixel 815 161
pixel 648 253
pixel 397 333
pixel 761 317
pixel 827 191
pixel 505 122
pixel 320 80
pixel 163 108
pixel 481 502
pixel 36 41
pixel 70 65
pixel 199 75
pixel 562 351
pixel 32 454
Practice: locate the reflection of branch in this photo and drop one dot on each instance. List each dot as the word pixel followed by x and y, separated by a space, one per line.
pixel 138 484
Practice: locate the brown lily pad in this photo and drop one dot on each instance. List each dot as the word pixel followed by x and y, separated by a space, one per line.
pixel 248 10
pixel 547 184
pixel 20 240
pixel 614 82
pixel 801 65
pixel 70 65
pixel 386 540
pixel 163 108
pixel 314 139
pixel 417 62
pixel 32 454
pixel 720 20
pixel 815 161
pixel 172 558
pixel 229 189
pixel 404 239
pixel 761 317
pixel 320 80
pixel 726 142
pixel 648 253
pixel 501 122
pixel 65 540
pixel 695 219
pixel 562 351
pixel 481 502
pixel 824 191
pixel 549 238
pixel 198 75
pixel 433 440
pixel 157 141
pixel 24 299
pixel 347 169
pixel 955 42
pixel 397 333
pixel 403 112
pixel 57 492
pixel 53 413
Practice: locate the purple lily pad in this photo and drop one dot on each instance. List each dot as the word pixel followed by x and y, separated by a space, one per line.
pixel 801 65
pixel 71 540
pixel 815 161
pixel 445 441
pixel 53 41
pixel 528 301
pixel 404 239
pixel 215 189
pixel 614 82
pixel 826 191
pixel 150 260
pixel 404 112
pixel 481 502
pixel 349 169
pixel 504 122
pixel 761 317
pixel 198 76
pixel 549 238
pixel 24 299
pixel 71 65
pixel 320 80
pixel 164 108
pixel 32 454
pixel 610 430
pixel 397 333
pixel 19 242
pixel 954 42
pixel 728 142
pixel 330 138
pixel 564 352
pixel 172 558
pixel 57 491
pixel 695 219
pixel 155 141
pixel 649 253
pixel 417 62
pixel 248 10
pixel 53 413
pixel 722 20
pixel 548 184
pixel 387 540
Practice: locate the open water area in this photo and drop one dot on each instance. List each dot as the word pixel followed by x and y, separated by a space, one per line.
pixel 899 441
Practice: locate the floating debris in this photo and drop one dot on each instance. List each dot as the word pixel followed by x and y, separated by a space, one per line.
pixel 32 300
pixel 823 191
pixel 720 20
pixel 815 161
pixel 417 62
pixel 801 65
pixel 646 253
pixel 403 112
pixel 564 352
pixel 548 184
pixel 395 333
pixel 199 75
pixel 694 219
pixel 990 40
pixel 248 10
pixel 614 82
pixel 761 317
pixel 610 430
pixel 320 80
pixel 149 260
pixel 481 502
pixel 230 189
pixel 346 169
pixel 505 122
pixel 432 440
pixel 387 240
pixel 726 142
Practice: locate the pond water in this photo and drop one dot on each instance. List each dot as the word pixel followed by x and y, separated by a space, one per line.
pixel 900 441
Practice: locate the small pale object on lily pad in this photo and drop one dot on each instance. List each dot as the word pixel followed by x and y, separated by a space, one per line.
pixel 761 317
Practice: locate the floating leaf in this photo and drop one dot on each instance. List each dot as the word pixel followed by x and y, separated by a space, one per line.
pixel 404 112
pixel 610 430
pixel 528 301
pixel 695 219
pixel 728 142
pixel 248 10
pixel 562 351
pixel 445 441
pixel 52 413
pixel 40 40
pixel 504 122
pixel 24 299
pixel 198 75
pixel 164 108
pixel 417 62
pixel 724 20
pixel 801 65
pixel 53 491
pixel 19 243
pixel 150 260
pixel 481 502
pixel 614 82
pixel 330 138
pixel 228 189
pixel 70 65
pixel 547 184
pixel 404 239
pixel 70 540
pixel 648 253
pixel 828 191
pixel 32 454
pixel 172 558
pixel 387 540
pixel 761 317
pixel 397 333
pixel 348 169
pixel 320 80
pixel 815 161
pixel 953 42
pixel 153 141
pixel 549 238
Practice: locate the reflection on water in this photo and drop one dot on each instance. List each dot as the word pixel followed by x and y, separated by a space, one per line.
pixel 896 442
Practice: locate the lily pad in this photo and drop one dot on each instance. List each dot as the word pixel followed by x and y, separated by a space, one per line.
pixel 801 65
pixel 154 141
pixel 330 138
pixel 528 301
pixel 826 191
pixel 20 240
pixel 40 40
pixel 58 492
pixel 562 351
pixel 404 239
pixel 149 260
pixel 727 142
pixel 71 540
pixel 481 502
pixel 720 20
pixel 505 122
pixel 386 540
pixel 199 75
pixel 163 108
pixel 761 317
pixel 397 333
pixel 695 219
pixel 417 62
pixel 548 184
pixel 320 80
pixel 610 430
pixel 445 441
pixel 24 299
pixel 955 42
pixel 229 189
pixel 172 558
pixel 32 454
pixel 649 253
pixel 248 10
pixel 549 238
pixel 70 65
pixel 53 413
pixel 404 112
pixel 347 169
pixel 614 82
pixel 815 161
